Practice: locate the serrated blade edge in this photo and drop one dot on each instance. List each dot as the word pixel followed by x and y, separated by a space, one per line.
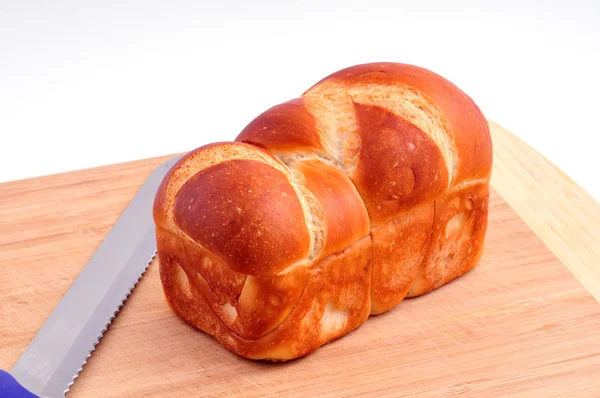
pixel 61 347
pixel 108 324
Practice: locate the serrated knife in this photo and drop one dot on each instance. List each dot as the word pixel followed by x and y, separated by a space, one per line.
pixel 55 356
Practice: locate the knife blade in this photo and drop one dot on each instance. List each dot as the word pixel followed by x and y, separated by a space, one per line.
pixel 57 353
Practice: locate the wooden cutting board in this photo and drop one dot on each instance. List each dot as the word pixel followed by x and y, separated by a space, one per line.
pixel 519 324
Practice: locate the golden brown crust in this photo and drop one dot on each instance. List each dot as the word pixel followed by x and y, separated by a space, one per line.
pixel 397 164
pixel 399 247
pixel 457 237
pixel 369 188
pixel 469 126
pixel 287 126
pixel 334 299
pixel 245 212
pixel 345 212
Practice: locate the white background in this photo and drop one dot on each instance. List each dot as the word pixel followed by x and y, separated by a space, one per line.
pixel 88 83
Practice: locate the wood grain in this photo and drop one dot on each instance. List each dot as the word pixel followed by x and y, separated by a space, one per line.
pixel 558 210
pixel 520 324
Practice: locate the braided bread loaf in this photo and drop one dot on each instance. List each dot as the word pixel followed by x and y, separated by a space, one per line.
pixel 371 187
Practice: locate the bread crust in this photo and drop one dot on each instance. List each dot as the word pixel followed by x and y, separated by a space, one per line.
pixel 369 188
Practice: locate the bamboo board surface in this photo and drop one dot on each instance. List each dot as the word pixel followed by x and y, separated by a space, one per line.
pixel 519 324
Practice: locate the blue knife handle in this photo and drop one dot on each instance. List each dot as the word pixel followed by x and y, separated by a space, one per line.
pixel 10 387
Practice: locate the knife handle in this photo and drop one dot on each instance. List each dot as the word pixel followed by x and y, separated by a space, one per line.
pixel 10 387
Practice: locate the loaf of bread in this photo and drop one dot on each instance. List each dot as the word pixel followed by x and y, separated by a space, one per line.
pixel 369 188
